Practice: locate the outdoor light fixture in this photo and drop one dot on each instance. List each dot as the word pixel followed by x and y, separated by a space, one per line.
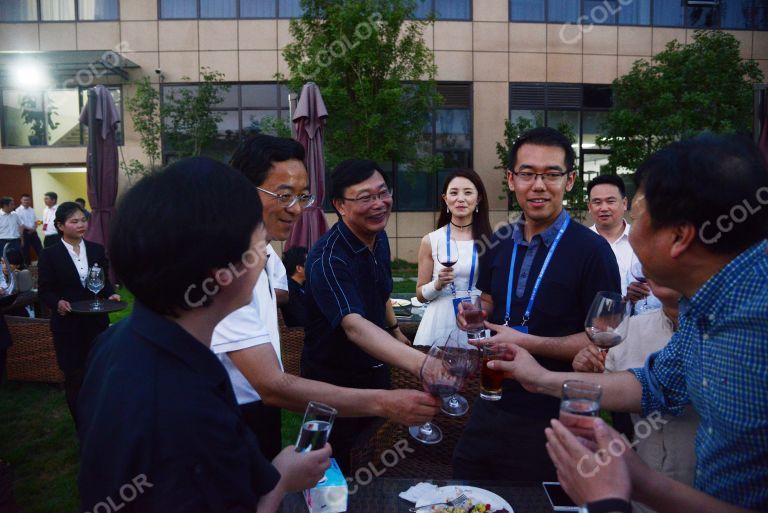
pixel 30 75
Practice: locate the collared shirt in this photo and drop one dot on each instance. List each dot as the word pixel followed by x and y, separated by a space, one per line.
pixel 252 325
pixel 157 407
pixel 582 265
pixel 27 216
pixel 344 276
pixel 49 216
pixel 625 255
pixel 718 360
pixel 80 260
pixel 9 225
pixel 295 310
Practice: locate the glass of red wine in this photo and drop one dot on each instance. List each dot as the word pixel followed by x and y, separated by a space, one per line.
pixel 438 379
pixel 472 310
pixel 466 363
pixel 636 270
pixel 607 321
pixel 447 252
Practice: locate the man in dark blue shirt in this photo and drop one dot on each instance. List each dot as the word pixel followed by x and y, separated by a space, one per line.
pixel 349 315
pixel 295 310
pixel 160 430
pixel 557 267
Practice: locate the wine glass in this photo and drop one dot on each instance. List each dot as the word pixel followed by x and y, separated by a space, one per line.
pixel 607 322
pixel 95 282
pixel 438 379
pixel 466 364
pixel 447 252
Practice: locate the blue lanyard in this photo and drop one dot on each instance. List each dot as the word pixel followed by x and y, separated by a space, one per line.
pixel 535 291
pixel 474 260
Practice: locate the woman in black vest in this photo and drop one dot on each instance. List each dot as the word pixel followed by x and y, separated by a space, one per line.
pixel 63 270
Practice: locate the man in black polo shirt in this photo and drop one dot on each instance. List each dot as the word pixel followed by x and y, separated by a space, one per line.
pixel 558 266
pixel 349 280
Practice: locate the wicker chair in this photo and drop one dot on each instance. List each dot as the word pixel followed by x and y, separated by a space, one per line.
pixel 32 356
pixel 291 345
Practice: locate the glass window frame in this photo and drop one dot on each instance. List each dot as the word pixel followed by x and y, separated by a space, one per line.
pixel 237 15
pixel 76 19
pixel 81 103
pixel 469 17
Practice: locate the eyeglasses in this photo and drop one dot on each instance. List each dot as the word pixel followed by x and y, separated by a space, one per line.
pixel 288 200
pixel 370 198
pixel 551 177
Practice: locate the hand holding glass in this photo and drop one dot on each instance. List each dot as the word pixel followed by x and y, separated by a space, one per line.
pixel 471 308
pixel 95 282
pixel 465 362
pixel 579 405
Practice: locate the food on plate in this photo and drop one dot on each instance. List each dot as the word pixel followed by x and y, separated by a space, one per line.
pixel 400 303
pixel 469 507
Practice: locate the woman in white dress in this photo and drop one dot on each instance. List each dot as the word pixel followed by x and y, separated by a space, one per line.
pixel 463 218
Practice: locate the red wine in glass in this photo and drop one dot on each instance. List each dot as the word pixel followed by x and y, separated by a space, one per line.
pixel 447 252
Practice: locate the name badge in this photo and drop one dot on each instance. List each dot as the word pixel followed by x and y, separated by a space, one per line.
pixel 456 302
pixel 521 329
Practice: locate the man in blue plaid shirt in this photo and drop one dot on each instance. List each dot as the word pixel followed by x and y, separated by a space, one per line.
pixel 700 224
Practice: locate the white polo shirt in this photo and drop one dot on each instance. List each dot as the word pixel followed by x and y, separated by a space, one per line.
pixel 49 216
pixel 278 276
pixel 249 326
pixel 27 217
pixel 625 256
pixel 9 225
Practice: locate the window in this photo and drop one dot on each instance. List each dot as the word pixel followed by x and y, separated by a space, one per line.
pixel 444 9
pixel 726 14
pixel 243 110
pixel 58 10
pixel 447 132
pixel 47 118
pixel 229 9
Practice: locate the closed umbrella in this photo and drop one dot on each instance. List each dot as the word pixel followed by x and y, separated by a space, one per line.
pixel 309 120
pixel 102 117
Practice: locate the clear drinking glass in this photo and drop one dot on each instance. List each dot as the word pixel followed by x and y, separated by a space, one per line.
pixel 472 309
pixel 491 381
pixel 95 282
pixel 579 399
pixel 466 364
pixel 607 321
pixel 447 252
pixel 637 273
pixel 316 426
pixel 438 379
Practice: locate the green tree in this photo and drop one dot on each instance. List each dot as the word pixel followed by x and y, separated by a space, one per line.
pixel 682 91
pixel 144 109
pixel 375 73
pixel 190 125
pixel 575 199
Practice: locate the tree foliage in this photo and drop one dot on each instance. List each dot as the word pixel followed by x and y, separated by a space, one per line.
pixel 682 91
pixel 144 109
pixel 575 199
pixel 375 73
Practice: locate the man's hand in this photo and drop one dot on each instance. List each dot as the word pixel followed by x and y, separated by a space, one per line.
pixel 517 363
pixel 460 321
pixel 637 291
pixel 114 297
pixel 589 359
pixel 302 470
pixel 506 335
pixel 409 407
pixel 588 476
pixel 63 307
pixel 400 337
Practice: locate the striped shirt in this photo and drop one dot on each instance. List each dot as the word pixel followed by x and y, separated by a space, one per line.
pixel 718 361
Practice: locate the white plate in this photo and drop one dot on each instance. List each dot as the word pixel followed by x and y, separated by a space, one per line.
pixel 415 302
pixel 476 495
pixel 400 303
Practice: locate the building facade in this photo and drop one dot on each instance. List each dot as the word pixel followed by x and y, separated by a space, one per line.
pixel 551 60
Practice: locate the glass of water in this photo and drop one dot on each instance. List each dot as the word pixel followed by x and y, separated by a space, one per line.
pixel 94 283
pixel 579 399
pixel 316 427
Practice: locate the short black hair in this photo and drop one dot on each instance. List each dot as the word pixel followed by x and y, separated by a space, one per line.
pixel 255 156
pixel 614 180
pixel 25 195
pixel 176 227
pixel 80 200
pixel 717 183
pixel 52 195
pixel 64 212
pixel 294 257
pixel 5 201
pixel 352 172
pixel 544 136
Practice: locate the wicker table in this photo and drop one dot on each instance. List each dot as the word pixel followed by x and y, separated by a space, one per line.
pixel 381 496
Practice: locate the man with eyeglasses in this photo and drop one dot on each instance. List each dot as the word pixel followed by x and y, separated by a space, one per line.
pixel 538 278
pixel 248 340
pixel 351 332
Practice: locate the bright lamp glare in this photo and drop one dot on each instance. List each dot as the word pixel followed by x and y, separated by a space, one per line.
pixel 29 75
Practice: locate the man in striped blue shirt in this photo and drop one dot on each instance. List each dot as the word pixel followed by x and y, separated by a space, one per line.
pixel 700 224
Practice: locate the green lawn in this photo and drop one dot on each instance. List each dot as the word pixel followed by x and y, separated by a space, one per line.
pixel 38 439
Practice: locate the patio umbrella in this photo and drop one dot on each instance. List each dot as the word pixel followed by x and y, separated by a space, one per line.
pixel 309 120
pixel 102 117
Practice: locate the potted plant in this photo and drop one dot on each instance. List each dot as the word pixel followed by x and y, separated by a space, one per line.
pixel 37 119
